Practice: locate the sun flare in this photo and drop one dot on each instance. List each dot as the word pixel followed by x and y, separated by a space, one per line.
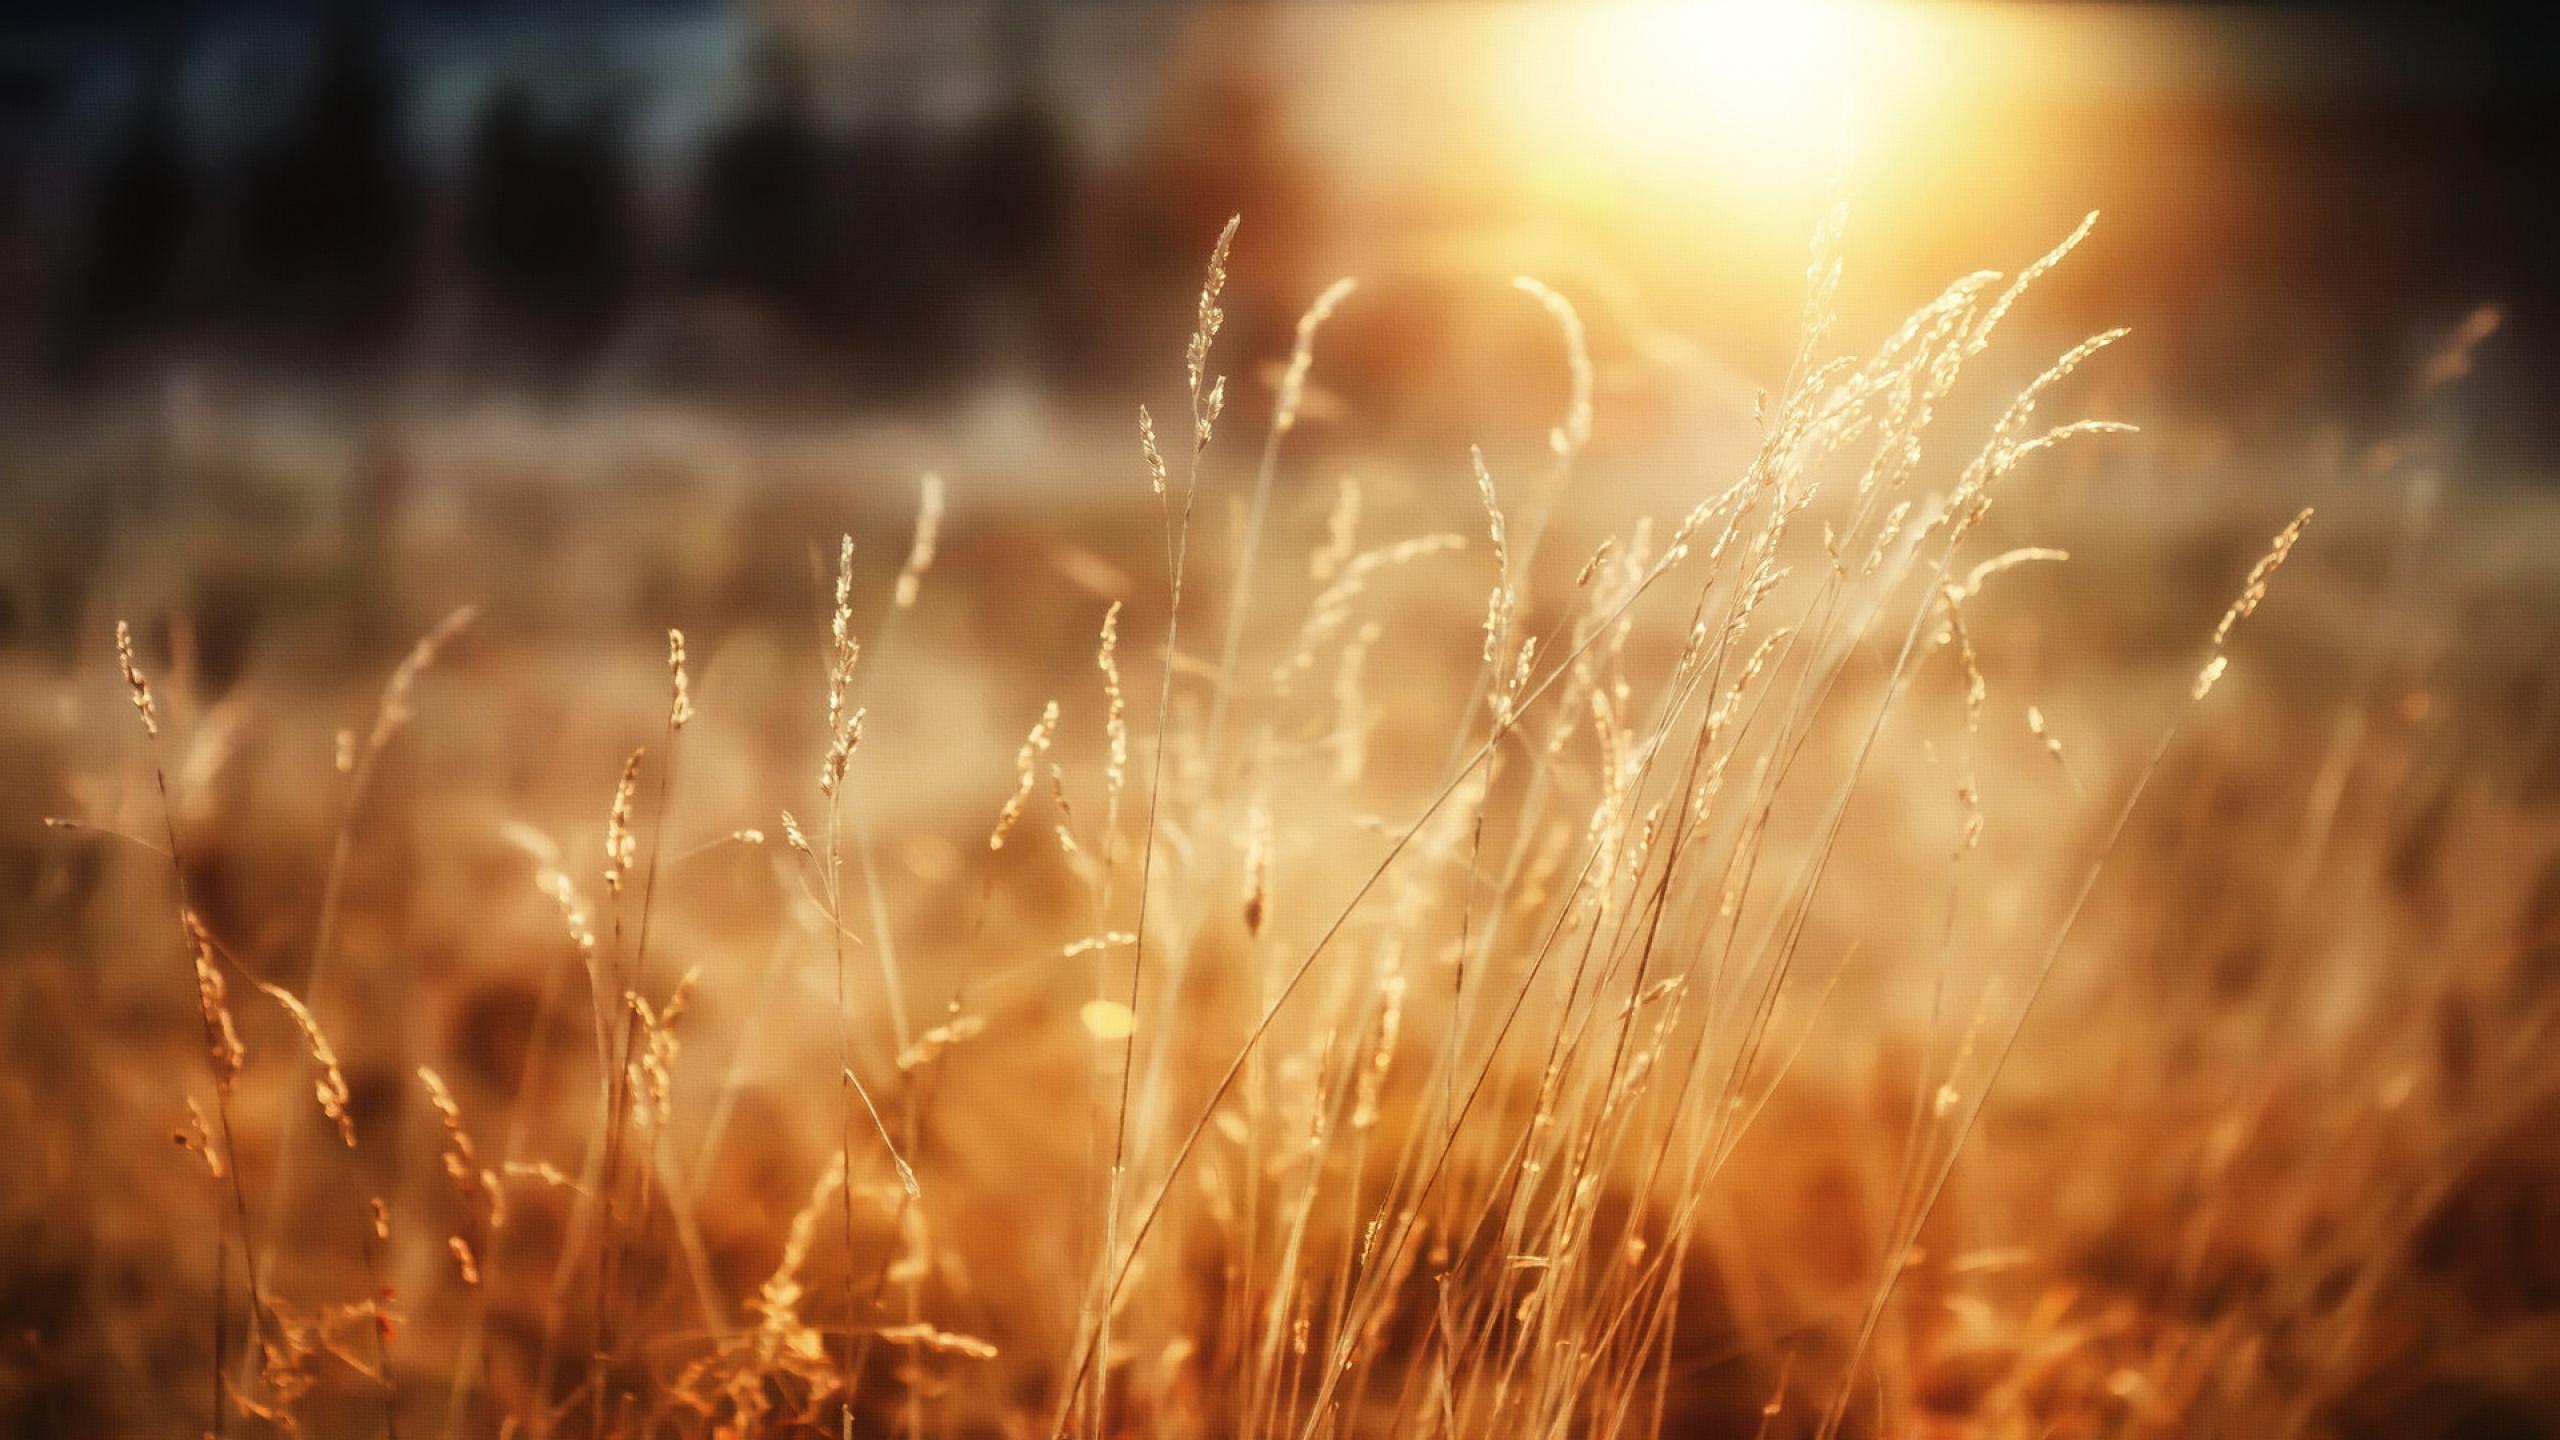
pixel 1732 72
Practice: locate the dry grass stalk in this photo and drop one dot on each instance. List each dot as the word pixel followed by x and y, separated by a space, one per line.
pixel 229 1056
pixel 476 1186
pixel 621 846
pixel 844 725
pixel 680 697
pixel 1026 769
pixel 1204 331
pixel 1302 352
pixel 135 682
pixel 2043 732
pixel 920 553
pixel 197 1139
pixel 397 707
pixel 1570 438
pixel 1341 533
pixel 2254 589
pixel 931 1045
pixel 330 1084
pixel 906 1176
pixel 942 1342
pixel 1147 450
pixel 1497 615
pixel 651 1079
pixel 1331 611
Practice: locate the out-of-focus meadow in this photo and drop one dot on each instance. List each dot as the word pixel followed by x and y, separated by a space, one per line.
pixel 1580 865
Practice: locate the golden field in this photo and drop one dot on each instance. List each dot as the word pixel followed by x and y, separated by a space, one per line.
pixel 1908 914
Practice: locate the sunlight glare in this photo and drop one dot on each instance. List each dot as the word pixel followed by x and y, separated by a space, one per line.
pixel 1741 86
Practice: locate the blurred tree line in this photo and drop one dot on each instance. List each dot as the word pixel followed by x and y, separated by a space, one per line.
pixel 327 240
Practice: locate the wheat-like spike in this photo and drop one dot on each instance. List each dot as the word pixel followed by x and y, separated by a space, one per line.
pixel 906 1176
pixel 1373 1075
pixel 1302 353
pixel 2254 590
pixel 1569 438
pixel 840 623
pixel 2037 727
pixel 542 1170
pixel 2005 560
pixel 930 1045
pixel 1211 407
pixel 1115 720
pixel 940 1341
pixel 1515 682
pixel 928 533
pixel 651 1071
pixel 1349 738
pixel 621 847
pixel 1991 318
pixel 476 1186
pixel 1026 774
pixel 198 1137
pixel 1598 558
pixel 1065 827
pixel 136 681
pixel 1147 448
pixel 1341 533
pixel 781 1330
pixel 1968 787
pixel 330 1085
pixel 1195 358
pixel 563 891
pixel 844 728
pixel 1332 609
pixel 394 711
pixel 1497 614
pixel 212 998
pixel 680 688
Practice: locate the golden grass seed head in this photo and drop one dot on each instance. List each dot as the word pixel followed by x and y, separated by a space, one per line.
pixel 198 1138
pixel 1569 438
pixel 1302 353
pixel 621 847
pixel 928 535
pixel 396 709
pixel 213 1001
pixel 330 1083
pixel 2254 590
pixel 1026 763
pixel 2208 677
pixel 1341 533
pixel 135 681
pixel 680 697
pixel 1210 316
pixel 1115 716
pixel 1147 448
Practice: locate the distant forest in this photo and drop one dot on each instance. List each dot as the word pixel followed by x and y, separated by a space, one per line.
pixel 890 255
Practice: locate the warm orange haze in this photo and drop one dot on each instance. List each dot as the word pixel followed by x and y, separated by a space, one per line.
pixel 1338 721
